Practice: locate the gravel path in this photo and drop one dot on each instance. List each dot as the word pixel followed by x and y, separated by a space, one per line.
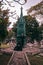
pixel 18 58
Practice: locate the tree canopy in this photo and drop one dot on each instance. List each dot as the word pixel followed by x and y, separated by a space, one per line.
pixel 3 24
pixel 37 9
pixel 3 30
pixel 32 28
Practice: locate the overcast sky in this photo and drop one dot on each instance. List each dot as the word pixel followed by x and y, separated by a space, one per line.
pixel 17 8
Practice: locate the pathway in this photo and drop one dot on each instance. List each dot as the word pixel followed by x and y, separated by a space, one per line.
pixel 18 58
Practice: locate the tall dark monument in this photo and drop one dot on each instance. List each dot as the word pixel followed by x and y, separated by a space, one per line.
pixel 21 32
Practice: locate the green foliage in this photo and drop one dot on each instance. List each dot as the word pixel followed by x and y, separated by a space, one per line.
pixel 33 30
pixel 14 29
pixel 3 23
pixel 3 30
pixel 10 34
pixel 41 31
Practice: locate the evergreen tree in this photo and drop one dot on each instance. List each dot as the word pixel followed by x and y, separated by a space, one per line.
pixel 3 23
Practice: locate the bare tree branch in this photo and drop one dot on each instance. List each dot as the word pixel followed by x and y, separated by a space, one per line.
pixel 12 15
pixel 18 1
pixel 9 3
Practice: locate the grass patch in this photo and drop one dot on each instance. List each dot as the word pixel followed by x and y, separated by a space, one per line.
pixel 4 46
pixel 35 59
pixel 4 58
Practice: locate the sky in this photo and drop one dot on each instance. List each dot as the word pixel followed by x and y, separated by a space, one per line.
pixel 17 7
